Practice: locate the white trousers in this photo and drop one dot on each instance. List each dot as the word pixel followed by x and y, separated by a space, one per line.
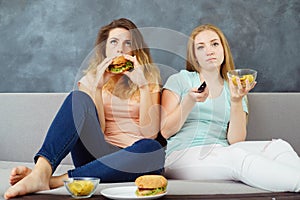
pixel 270 165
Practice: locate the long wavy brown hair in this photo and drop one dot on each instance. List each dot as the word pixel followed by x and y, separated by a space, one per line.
pixel 125 87
pixel 191 62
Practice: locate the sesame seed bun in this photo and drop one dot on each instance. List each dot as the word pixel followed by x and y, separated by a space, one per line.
pixel 151 181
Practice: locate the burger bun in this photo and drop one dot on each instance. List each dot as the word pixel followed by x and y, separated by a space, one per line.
pixel 119 65
pixel 151 181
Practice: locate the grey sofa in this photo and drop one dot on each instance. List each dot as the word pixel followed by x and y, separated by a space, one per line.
pixel 25 118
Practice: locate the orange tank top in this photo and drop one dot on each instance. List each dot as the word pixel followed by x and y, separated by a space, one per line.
pixel 121 118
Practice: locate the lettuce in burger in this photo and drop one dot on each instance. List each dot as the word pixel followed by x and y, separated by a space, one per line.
pixel 120 64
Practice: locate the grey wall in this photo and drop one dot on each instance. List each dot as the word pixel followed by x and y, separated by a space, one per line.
pixel 44 42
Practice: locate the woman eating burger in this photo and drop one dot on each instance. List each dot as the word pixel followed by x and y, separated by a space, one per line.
pixel 108 125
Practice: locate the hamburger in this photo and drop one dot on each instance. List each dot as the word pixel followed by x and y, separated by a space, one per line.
pixel 149 185
pixel 120 64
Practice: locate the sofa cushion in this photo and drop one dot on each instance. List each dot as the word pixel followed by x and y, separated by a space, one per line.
pixel 176 187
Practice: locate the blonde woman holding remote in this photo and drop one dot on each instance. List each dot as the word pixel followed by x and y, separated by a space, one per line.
pixel 206 131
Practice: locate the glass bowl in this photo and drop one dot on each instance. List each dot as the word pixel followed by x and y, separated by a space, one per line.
pixel 81 187
pixel 243 74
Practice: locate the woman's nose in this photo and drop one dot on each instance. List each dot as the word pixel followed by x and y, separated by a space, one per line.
pixel 120 49
pixel 209 51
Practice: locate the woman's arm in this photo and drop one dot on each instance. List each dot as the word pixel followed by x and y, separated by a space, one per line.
pixel 149 101
pixel 149 112
pixel 238 121
pixel 95 83
pixel 98 101
pixel 237 130
pixel 174 113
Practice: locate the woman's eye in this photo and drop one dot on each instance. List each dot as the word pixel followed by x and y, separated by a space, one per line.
pixel 200 47
pixel 128 43
pixel 215 44
pixel 113 42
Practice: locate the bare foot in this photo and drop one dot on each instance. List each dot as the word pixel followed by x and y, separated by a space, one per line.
pixel 36 180
pixel 18 173
pixel 33 182
pixel 57 181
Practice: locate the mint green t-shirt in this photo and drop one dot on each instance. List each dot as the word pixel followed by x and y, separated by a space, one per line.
pixel 207 122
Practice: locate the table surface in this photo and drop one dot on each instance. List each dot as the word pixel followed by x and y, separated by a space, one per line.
pixel 256 196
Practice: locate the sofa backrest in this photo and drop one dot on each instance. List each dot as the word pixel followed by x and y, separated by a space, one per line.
pixel 25 118
pixel 24 121
pixel 275 115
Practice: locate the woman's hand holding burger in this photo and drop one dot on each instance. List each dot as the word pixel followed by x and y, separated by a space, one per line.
pixel 121 64
pixel 102 76
pixel 137 74
pixel 128 65
pixel 109 67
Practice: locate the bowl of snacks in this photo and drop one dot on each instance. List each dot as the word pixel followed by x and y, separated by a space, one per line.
pixel 243 75
pixel 81 187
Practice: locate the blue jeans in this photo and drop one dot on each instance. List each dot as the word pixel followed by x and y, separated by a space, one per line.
pixel 76 129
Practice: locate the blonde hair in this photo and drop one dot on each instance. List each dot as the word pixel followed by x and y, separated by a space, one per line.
pixel 191 62
pixel 125 87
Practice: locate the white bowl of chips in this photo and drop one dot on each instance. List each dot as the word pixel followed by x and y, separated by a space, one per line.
pixel 81 187
pixel 243 75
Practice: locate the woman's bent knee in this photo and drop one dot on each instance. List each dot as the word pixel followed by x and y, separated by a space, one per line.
pixel 148 145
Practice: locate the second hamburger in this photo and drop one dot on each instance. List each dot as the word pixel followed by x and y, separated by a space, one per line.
pixel 149 185
pixel 119 65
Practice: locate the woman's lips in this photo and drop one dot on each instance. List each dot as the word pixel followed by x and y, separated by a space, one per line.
pixel 211 59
